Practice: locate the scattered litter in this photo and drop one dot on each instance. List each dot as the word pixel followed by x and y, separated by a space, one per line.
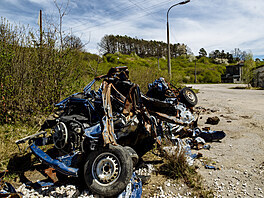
pixel 6 189
pixel 211 167
pixel 212 120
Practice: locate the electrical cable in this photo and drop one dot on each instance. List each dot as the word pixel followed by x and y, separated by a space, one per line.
pixel 149 8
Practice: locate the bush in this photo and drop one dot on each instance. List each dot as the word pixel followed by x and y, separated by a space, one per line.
pixel 33 77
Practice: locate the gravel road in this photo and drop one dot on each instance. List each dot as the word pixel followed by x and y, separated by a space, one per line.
pixel 240 155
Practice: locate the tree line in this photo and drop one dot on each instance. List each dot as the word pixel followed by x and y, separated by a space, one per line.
pixel 111 44
pixel 231 57
pixel 143 48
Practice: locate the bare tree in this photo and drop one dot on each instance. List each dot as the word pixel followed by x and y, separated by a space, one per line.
pixel 63 10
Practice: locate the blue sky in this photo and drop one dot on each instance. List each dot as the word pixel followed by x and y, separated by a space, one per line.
pixel 211 24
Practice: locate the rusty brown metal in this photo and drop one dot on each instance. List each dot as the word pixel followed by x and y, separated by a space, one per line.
pixel 167 118
pixel 108 131
pixel 52 175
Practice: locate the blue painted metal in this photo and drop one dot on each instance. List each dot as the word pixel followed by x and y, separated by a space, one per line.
pixel 39 184
pixel 68 160
pixel 89 104
pixel 88 87
pixel 62 103
pixel 136 187
pixel 56 164
pixel 211 167
pixel 133 189
pixel 93 132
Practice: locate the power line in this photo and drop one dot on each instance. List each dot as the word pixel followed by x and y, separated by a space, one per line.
pixel 106 24
pixel 122 10
pixel 149 8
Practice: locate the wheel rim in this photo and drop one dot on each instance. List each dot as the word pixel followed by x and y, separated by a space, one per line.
pixel 60 136
pixel 106 169
pixel 190 95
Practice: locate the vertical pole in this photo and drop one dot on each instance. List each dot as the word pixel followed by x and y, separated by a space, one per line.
pixel 195 80
pixel 40 26
pixel 71 40
pixel 168 41
pixel 158 63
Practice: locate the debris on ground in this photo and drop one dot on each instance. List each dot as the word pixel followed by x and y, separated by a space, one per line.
pixel 6 189
pixel 212 120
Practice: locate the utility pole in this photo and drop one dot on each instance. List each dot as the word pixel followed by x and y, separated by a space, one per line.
pixel 195 73
pixel 168 42
pixel 158 63
pixel 40 26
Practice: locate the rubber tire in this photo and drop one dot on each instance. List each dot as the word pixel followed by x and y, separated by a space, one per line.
pixel 123 179
pixel 186 99
pixel 133 154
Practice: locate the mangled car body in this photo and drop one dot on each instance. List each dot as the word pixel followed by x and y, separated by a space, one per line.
pixel 99 136
pixel 96 133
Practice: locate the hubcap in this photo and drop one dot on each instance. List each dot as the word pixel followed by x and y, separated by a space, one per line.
pixel 106 168
pixel 190 95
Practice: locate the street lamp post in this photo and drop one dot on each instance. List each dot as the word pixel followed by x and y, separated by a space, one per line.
pixel 168 34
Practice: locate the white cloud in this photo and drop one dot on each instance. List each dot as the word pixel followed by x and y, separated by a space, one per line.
pixel 211 24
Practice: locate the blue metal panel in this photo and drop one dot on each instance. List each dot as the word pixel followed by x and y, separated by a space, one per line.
pixel 68 160
pixel 133 189
pixel 56 164
pixel 93 132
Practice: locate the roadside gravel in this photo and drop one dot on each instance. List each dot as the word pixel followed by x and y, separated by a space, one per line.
pixel 240 155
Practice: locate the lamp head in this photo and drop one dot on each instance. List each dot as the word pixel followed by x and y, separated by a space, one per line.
pixel 184 2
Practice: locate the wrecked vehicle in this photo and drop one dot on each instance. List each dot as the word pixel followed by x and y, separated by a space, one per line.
pixel 163 91
pixel 98 135
pixel 173 108
pixel 170 104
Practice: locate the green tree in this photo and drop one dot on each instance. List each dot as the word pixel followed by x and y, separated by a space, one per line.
pixel 202 52
pixel 247 72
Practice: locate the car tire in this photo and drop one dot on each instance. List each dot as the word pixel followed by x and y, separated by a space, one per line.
pixel 133 154
pixel 188 97
pixel 108 170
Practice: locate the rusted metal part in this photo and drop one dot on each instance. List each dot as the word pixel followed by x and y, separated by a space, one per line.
pixel 118 96
pixel 52 175
pixel 132 101
pixel 114 70
pixel 108 131
pixel 170 119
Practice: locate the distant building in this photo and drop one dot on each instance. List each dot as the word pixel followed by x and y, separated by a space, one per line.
pixel 258 80
pixel 233 74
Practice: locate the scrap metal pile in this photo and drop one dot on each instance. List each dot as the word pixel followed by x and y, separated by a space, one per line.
pixel 99 135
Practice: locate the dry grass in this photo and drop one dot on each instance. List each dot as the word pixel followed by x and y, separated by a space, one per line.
pixel 8 135
pixel 176 167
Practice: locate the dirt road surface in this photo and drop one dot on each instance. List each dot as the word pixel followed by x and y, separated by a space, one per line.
pixel 240 155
